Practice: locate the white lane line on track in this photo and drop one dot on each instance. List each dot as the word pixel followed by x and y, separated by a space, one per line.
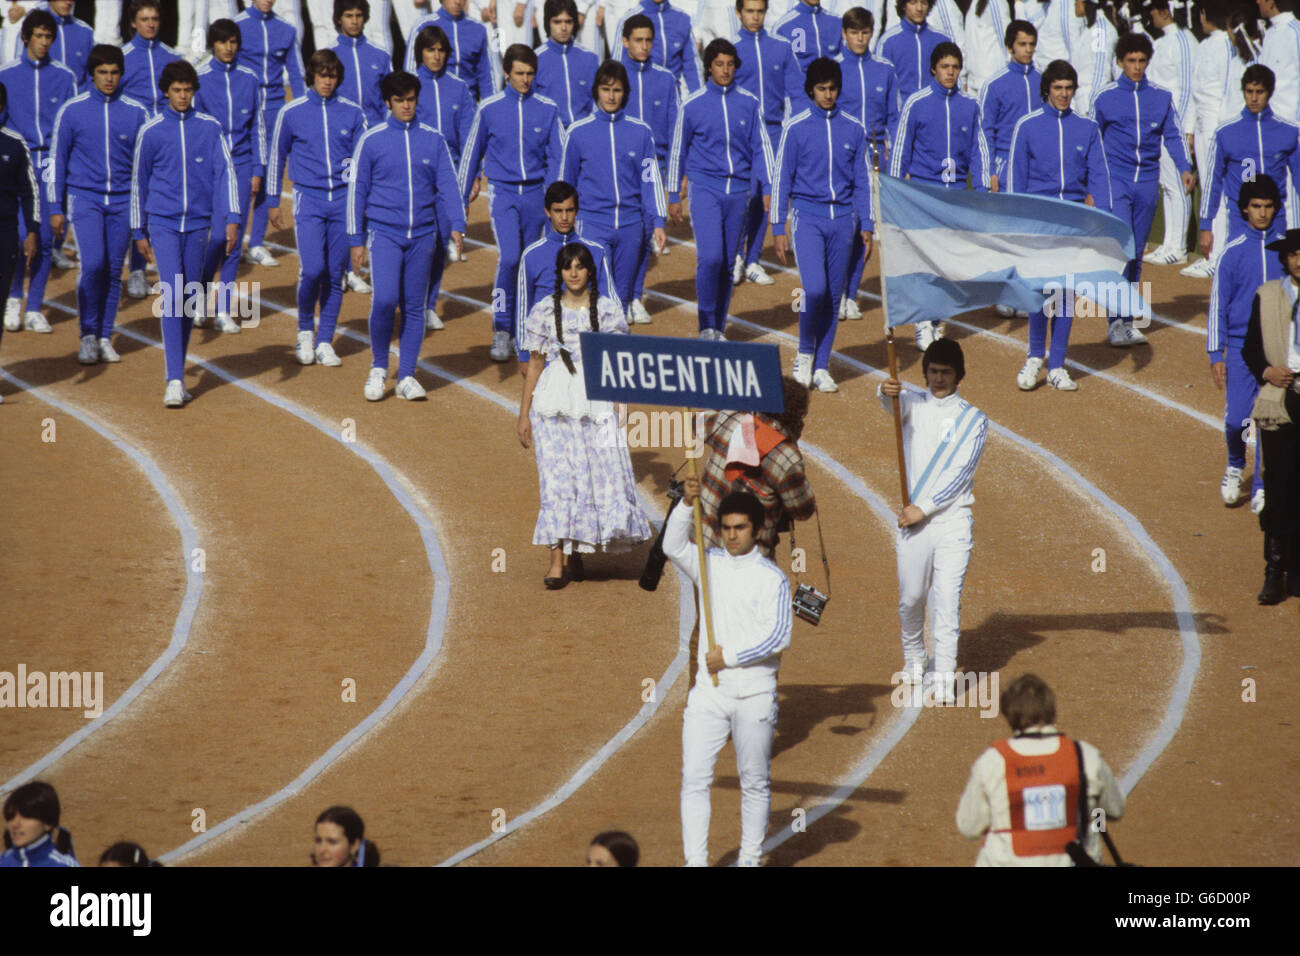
pixel 437 614
pixel 189 603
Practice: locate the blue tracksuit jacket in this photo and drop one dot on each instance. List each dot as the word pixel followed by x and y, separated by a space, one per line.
pixel 516 139
pixel 473 57
pixel 39 853
pixel 908 47
pixel 364 65
pixel 1134 119
pixel 610 159
pixel 234 95
pixel 19 195
pixel 182 175
pixel 317 138
pixel 812 32
pixel 37 91
pixel 1244 266
pixel 72 43
pixel 769 69
pixel 566 73
pixel 1255 143
pixel 448 106
pixel 93 148
pixel 1055 153
pixel 653 100
pixel 1013 92
pixel 144 61
pixel 537 272
pixel 402 179
pixel 940 139
pixel 720 143
pixel 674 46
pixel 870 94
pixel 268 46
pixel 810 180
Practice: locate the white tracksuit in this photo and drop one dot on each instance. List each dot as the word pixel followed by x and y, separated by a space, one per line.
pixel 1280 52
pixel 1093 49
pixel 1056 33
pixel 985 52
pixel 1173 66
pixel 752 621
pixel 1218 100
pixel 943 439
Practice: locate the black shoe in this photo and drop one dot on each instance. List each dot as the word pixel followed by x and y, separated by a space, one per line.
pixel 555 584
pixel 575 569
pixel 1274 590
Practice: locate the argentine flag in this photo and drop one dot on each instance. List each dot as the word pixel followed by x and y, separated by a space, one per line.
pixel 947 251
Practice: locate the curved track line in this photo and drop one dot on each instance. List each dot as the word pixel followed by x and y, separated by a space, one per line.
pixel 189 603
pixel 437 614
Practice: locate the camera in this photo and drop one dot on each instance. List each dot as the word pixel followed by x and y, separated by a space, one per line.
pixel 655 561
pixel 809 603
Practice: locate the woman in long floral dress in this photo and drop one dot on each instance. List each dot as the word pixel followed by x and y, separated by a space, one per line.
pixel 588 492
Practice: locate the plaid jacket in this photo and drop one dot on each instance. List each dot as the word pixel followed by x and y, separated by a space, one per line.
pixel 778 481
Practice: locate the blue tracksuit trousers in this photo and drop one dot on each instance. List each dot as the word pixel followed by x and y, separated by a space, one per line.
pixel 9 251
pixel 399 272
pixel 215 259
pixel 257 234
pixel 39 271
pixel 821 251
pixel 627 248
pixel 1242 389
pixel 180 262
pixel 719 221
pixel 517 220
pixel 103 237
pixel 1060 335
pixel 638 287
pixel 755 217
pixel 321 235
pixel 1135 203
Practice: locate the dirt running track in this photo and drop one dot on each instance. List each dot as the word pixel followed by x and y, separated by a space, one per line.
pixel 316 573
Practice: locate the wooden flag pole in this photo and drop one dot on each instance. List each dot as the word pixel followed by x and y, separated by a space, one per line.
pixel 703 555
pixel 889 333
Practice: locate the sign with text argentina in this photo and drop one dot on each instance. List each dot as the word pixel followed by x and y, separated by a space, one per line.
pixel 657 370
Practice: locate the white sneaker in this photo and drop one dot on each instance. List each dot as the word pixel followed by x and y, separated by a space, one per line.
pixel 453 255
pixel 305 350
pixel 1257 502
pixel 849 310
pixel 1134 336
pixel 174 396
pixel 224 323
pixel 13 314
pixel 200 320
pixel 1022 314
pixel 1230 486
pixel 1004 310
pixel 755 274
pixel 411 390
pixel 637 313
pixel 738 271
pixel 503 346
pixel 1027 380
pixel 61 261
pixel 35 322
pixel 945 694
pixel 913 672
pixel 88 354
pixel 1116 335
pixel 1200 269
pixel 325 355
pixel 432 322
pixel 924 335
pixel 1060 380
pixel 374 390
pixel 106 351
pixel 136 286
pixel 260 256
pixel 803 370
pixel 1165 257
pixel 823 382
pixel 706 335
pixel 358 284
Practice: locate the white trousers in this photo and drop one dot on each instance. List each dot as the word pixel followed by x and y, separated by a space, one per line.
pixel 1219 225
pixel 932 562
pixel 710 718
pixel 108 21
pixel 1177 204
pixel 715 21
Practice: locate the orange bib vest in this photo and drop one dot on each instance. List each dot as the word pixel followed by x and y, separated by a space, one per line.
pixel 1043 794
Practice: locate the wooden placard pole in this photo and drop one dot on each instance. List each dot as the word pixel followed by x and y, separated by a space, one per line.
pixel 703 556
pixel 889 333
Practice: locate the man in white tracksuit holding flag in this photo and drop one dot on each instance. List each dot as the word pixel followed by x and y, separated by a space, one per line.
pixel 943 438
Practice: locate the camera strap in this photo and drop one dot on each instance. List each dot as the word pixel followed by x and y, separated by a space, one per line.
pixel 821 543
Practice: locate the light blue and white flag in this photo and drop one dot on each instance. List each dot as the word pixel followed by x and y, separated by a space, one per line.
pixel 947 251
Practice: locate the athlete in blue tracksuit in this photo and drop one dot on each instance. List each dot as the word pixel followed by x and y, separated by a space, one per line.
pixel 402 182
pixel 269 48
pixel 71 45
pixel 721 148
pixel 1012 92
pixel 939 138
pixel 38 87
pixel 234 95
pixel 610 159
pixel 364 66
pixel 317 135
pixel 566 73
pixel 812 30
pixel 1056 152
pixel 674 45
pixel 473 57
pixel 182 181
pixel 1255 142
pixel 909 46
pixel 91 154
pixel 516 140
pixel 827 197
pixel 1135 117
pixel 1243 267
pixel 20 202
pixel 537 266
pixel 770 70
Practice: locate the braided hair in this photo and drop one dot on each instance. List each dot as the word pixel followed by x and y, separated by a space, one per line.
pixel 568 254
